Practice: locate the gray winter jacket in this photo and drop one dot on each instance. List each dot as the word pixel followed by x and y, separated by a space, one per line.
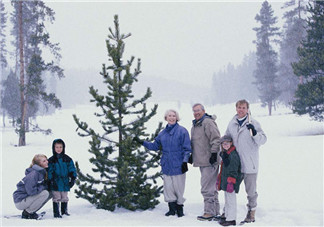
pixel 32 184
pixel 205 139
pixel 246 145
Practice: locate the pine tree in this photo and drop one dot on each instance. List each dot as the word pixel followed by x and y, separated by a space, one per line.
pixel 310 94
pixel 3 49
pixel 31 38
pixel 266 66
pixel 10 100
pixel 121 168
pixel 294 32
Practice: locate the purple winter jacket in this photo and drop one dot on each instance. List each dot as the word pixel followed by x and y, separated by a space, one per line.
pixel 32 184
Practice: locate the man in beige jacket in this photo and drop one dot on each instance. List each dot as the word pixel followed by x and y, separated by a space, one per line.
pixel 205 142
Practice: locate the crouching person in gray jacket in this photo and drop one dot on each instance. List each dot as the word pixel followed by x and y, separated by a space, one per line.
pixel 247 138
pixel 31 193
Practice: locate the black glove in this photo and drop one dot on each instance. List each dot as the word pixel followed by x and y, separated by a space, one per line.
pixel 225 158
pixel 71 181
pixel 213 158
pixel 184 167
pixel 250 126
pixel 190 159
pixel 138 140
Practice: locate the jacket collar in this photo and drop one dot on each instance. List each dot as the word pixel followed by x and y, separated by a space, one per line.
pixel 232 148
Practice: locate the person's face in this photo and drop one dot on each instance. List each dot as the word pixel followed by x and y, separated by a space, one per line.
pixel 58 148
pixel 226 145
pixel 43 162
pixel 171 118
pixel 242 110
pixel 198 112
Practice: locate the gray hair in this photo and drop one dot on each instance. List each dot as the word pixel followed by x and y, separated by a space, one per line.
pixel 171 110
pixel 199 104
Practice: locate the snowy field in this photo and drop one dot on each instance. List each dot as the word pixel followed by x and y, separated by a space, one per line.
pixel 290 181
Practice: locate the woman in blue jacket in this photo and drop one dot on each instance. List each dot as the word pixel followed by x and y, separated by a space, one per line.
pixel 176 148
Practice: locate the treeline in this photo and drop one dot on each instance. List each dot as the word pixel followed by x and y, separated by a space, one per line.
pixel 294 75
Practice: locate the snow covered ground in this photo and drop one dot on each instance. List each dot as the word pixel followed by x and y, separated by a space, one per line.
pixel 290 181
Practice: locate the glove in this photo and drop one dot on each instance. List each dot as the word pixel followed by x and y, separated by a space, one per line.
pixel 137 140
pixel 250 126
pixel 230 187
pixel 190 159
pixel 225 158
pixel 213 158
pixel 184 167
pixel 71 182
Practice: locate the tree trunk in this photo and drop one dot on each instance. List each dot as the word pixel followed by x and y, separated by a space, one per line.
pixel 22 133
pixel 270 107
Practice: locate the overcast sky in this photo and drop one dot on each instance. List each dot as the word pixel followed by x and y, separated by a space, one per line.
pixel 187 41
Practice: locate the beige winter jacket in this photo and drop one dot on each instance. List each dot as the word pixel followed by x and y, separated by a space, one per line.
pixel 205 139
pixel 246 145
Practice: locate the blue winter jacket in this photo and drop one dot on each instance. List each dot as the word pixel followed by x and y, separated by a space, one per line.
pixel 32 184
pixel 61 170
pixel 176 148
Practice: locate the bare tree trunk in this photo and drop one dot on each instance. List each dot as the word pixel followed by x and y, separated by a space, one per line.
pixel 22 133
pixel 270 107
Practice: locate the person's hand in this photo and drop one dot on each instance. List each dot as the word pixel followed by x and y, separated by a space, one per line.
pixel 230 187
pixel 225 158
pixel 184 167
pixel 251 127
pixel 138 140
pixel 213 158
pixel 71 181
pixel 190 160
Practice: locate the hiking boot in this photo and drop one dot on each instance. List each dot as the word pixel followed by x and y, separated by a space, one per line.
pixel 172 209
pixel 220 218
pixel 205 217
pixel 180 210
pixel 250 216
pixel 228 223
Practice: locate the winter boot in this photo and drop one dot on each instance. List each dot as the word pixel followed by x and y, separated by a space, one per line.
pixel 228 223
pixel 180 210
pixel 250 216
pixel 26 215
pixel 64 210
pixel 56 210
pixel 172 209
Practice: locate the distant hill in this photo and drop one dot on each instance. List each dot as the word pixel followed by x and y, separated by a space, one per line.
pixel 74 88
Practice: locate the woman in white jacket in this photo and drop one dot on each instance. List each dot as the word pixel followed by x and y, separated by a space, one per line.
pixel 247 137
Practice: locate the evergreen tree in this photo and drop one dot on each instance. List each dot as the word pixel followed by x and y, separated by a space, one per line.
pixel 266 66
pixel 310 94
pixel 3 49
pixel 10 101
pixel 121 168
pixel 294 32
pixel 29 18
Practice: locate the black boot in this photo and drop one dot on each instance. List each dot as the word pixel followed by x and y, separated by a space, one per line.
pixel 172 209
pixel 56 210
pixel 180 210
pixel 26 215
pixel 64 209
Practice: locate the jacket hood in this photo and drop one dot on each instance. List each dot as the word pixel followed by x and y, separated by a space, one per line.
pixel 34 168
pixel 53 146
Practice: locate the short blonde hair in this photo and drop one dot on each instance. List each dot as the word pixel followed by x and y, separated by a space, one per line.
pixel 171 110
pixel 37 159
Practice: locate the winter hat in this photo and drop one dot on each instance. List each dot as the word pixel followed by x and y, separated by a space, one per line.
pixel 225 138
